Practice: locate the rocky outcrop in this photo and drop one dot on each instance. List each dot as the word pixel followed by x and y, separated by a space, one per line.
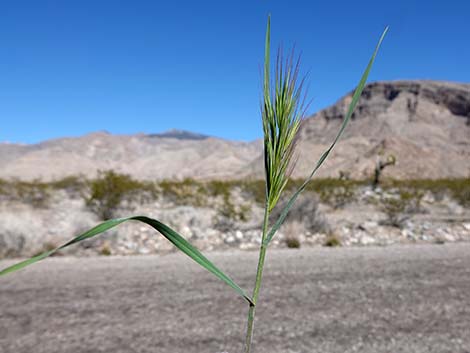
pixel 424 124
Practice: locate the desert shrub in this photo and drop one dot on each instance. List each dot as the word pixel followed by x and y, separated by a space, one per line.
pixel 460 191
pixel 12 243
pixel 235 212
pixel 305 211
pixel 292 231
pixel 439 241
pixel 332 241
pixel 292 242
pixel 220 187
pixel 228 211
pixel 3 186
pixel 105 250
pixel 337 197
pixel 185 192
pixel 34 193
pixel 332 191
pixel 109 189
pixel 227 207
pixel 456 188
pixel 399 208
pixel 75 186
pixel 335 192
pixel 256 189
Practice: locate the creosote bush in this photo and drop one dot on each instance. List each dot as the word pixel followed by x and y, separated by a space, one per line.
pixel 457 188
pixel 282 110
pixel 35 193
pixel 110 189
pixel 332 191
pixel 75 186
pixel 399 207
pixel 185 192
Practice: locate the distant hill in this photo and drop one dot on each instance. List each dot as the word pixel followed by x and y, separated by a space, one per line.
pixel 425 124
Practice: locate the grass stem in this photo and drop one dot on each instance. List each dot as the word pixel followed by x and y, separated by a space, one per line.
pixel 259 275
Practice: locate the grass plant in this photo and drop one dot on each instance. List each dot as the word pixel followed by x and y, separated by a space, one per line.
pixel 282 110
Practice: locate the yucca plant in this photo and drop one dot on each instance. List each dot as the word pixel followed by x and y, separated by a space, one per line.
pixel 281 111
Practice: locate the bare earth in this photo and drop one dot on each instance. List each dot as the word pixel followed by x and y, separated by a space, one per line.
pixel 368 300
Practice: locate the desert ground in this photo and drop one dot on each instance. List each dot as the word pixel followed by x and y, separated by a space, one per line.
pixel 403 298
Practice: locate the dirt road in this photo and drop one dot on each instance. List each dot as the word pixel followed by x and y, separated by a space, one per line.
pixel 368 300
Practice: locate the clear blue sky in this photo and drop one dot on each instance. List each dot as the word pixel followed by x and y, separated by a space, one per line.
pixel 72 67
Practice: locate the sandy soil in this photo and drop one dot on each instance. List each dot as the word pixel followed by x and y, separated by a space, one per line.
pixel 369 300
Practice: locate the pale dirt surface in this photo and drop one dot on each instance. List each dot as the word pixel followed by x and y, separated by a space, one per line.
pixel 370 300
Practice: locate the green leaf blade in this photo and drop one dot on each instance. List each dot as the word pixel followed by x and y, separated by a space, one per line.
pixel 176 239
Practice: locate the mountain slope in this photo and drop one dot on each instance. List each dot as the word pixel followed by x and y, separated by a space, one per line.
pixel 425 124
pixel 172 155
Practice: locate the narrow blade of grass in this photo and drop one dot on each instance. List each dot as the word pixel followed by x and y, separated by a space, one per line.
pixel 352 106
pixel 175 238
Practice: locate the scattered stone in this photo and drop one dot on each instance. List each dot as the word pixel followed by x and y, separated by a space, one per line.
pixel 24 231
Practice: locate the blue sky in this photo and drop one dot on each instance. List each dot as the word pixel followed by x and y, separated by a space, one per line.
pixel 68 68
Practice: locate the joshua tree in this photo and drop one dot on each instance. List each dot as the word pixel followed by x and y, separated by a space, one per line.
pixel 380 165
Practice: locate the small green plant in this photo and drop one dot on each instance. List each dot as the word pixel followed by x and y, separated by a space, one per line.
pixel 332 241
pixel 73 185
pixel 439 241
pixel 338 194
pixel 109 190
pixel 457 188
pixel 34 193
pixel 105 250
pixel 185 192
pixel 292 242
pixel 282 111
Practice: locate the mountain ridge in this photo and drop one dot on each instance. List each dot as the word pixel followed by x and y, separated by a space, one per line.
pixel 425 124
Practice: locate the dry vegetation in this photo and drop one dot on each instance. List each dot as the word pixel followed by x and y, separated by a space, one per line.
pixel 111 190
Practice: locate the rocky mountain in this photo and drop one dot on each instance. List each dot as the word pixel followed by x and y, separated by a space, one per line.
pixel 174 154
pixel 424 124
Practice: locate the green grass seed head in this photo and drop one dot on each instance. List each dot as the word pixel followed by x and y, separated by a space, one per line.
pixel 281 110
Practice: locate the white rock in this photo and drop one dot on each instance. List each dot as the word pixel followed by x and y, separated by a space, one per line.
pixel 367 240
pixel 449 237
pixel 144 251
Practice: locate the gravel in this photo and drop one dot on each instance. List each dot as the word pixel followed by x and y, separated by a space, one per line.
pixel 407 298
